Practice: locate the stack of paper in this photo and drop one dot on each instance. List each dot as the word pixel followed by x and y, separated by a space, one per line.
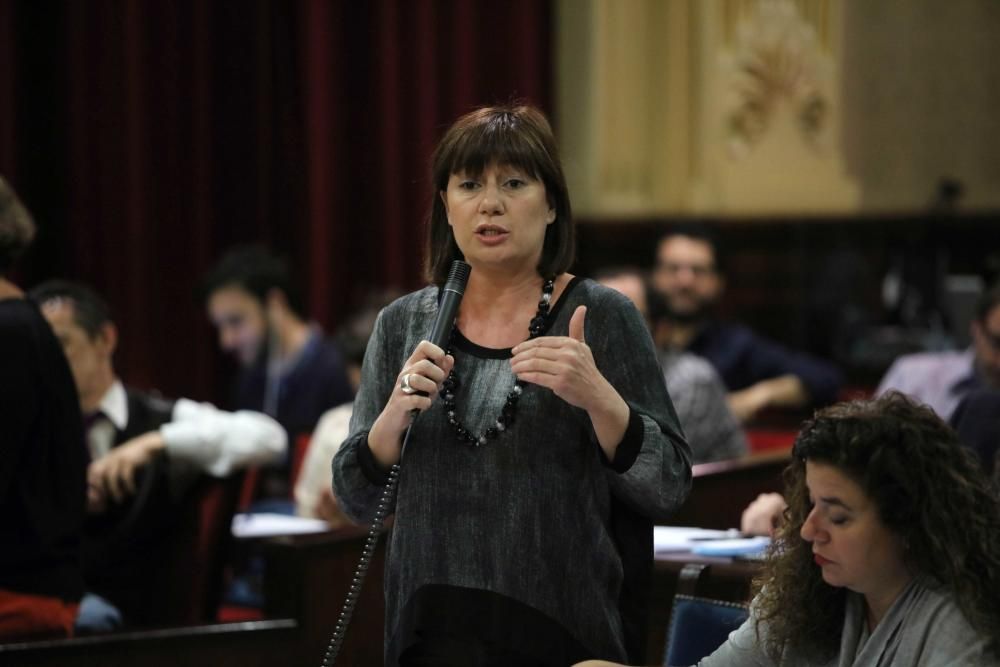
pixel 272 525
pixel 745 547
pixel 668 539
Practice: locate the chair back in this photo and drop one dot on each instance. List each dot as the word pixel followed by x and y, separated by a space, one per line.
pixel 698 626
pixel 193 588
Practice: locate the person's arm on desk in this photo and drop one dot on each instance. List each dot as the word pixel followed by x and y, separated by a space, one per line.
pixel 763 515
pixel 787 391
pixel 215 441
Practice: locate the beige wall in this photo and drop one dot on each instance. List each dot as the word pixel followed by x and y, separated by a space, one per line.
pixel 922 100
pixel 776 106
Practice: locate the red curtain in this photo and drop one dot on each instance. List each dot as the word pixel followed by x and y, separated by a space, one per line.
pixel 147 138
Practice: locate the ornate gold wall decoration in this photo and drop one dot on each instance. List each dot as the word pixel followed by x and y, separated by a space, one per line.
pixel 776 61
pixel 701 106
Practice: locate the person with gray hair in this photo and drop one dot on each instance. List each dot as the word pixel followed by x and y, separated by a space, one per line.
pixel 697 391
pixel 43 476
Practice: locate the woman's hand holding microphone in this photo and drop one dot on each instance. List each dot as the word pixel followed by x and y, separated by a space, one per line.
pixel 416 386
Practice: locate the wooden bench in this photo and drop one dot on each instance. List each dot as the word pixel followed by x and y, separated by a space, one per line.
pixel 305 583
pixel 254 644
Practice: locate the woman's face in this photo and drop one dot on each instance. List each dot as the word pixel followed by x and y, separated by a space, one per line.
pixel 498 217
pixel 850 544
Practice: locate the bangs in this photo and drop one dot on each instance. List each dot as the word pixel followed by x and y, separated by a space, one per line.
pixel 502 139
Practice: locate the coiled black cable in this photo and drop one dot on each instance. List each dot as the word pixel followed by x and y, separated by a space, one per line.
pixel 449 298
pixel 385 503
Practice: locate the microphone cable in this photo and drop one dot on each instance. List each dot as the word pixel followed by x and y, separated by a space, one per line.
pixel 347 611
pixel 451 297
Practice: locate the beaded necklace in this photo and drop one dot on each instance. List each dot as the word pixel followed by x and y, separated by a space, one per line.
pixel 506 417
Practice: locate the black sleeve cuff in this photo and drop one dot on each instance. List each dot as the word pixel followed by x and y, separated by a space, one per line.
pixel 370 468
pixel 628 448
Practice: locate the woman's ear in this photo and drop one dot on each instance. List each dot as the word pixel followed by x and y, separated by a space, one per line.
pixel 444 202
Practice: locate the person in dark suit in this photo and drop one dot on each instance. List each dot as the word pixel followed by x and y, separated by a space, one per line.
pixel 288 368
pixel 758 372
pixel 42 457
pixel 146 453
pixel 977 422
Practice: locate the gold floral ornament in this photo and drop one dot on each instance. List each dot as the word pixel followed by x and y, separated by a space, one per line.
pixel 777 70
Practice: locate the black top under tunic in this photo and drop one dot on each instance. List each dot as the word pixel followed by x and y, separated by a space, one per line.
pixel 43 459
pixel 533 544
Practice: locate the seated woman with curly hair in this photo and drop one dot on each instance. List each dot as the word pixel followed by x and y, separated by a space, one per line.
pixel 889 552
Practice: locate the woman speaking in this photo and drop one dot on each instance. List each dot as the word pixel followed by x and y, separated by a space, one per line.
pixel 546 443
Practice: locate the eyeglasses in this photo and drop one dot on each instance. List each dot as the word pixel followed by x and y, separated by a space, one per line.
pixel 673 268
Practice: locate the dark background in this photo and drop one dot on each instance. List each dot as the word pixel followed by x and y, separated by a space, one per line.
pixel 147 138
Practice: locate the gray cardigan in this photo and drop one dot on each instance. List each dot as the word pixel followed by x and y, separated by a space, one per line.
pixel 528 515
pixel 923 628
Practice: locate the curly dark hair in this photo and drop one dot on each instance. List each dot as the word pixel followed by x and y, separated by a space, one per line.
pixel 929 490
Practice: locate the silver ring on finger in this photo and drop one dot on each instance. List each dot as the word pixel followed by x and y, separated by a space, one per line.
pixel 404 384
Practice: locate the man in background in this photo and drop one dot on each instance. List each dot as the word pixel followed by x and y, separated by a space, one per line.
pixel 698 395
pixel 43 461
pixel 314 487
pixel 758 373
pixel 139 440
pixel 943 379
pixel 288 369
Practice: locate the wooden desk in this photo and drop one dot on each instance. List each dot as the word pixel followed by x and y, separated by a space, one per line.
pixel 722 489
pixel 310 575
pixel 253 644
pixel 307 578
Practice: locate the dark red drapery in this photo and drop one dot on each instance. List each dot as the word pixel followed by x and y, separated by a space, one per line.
pixel 149 137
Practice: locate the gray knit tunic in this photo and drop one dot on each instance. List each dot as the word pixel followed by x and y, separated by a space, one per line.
pixel 527 515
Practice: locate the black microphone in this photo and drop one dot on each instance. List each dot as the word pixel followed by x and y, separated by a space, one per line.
pixel 451 297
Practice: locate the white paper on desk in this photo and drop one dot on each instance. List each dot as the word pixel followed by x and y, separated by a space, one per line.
pixel 273 525
pixel 667 539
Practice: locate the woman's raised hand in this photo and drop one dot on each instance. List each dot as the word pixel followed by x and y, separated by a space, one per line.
pixel 563 364
pixel 566 365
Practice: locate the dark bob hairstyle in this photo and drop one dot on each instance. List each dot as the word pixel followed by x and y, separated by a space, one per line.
pixel 518 136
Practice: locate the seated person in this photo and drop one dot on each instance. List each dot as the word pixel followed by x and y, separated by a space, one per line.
pixel 977 422
pixel 942 379
pixel 695 388
pixel 132 434
pixel 758 373
pixel 763 515
pixel 44 461
pixel 314 487
pixel 890 553
pixel 288 369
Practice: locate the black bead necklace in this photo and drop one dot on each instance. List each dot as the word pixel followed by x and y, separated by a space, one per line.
pixel 451 384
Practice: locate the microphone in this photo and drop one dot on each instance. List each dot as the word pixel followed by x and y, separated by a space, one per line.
pixel 451 297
